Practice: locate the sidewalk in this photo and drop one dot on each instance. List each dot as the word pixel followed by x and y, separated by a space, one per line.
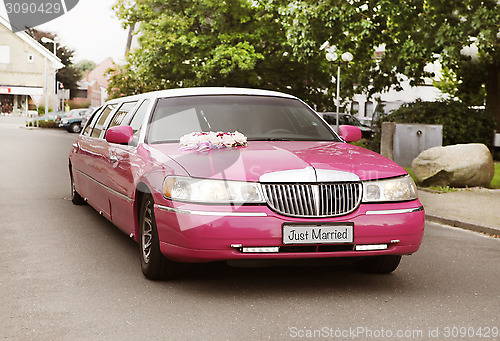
pixel 476 209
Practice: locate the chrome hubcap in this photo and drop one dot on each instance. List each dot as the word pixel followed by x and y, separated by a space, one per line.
pixel 147 233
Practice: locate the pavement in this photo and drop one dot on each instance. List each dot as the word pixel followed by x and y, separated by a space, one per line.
pixel 476 209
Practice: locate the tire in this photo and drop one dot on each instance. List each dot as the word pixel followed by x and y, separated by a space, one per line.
pixel 379 264
pixel 76 198
pixel 154 264
pixel 74 128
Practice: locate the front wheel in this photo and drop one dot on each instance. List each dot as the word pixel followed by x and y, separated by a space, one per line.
pixel 75 128
pixel 153 264
pixel 75 197
pixel 379 264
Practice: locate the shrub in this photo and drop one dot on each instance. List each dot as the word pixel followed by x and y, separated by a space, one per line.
pixel 42 124
pixel 48 124
pixel 461 124
pixel 74 104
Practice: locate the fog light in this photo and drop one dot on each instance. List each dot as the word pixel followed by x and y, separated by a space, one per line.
pixel 260 249
pixel 370 247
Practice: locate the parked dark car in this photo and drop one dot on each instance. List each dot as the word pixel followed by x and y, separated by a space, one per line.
pixel 73 121
pixel 347 119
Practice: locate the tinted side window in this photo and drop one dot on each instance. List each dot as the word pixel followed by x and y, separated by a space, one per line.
pixel 92 121
pixel 96 132
pixel 121 113
pixel 138 118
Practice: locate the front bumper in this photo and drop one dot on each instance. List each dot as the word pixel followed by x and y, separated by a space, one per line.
pixel 203 233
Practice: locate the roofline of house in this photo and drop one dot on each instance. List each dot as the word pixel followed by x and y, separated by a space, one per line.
pixel 36 45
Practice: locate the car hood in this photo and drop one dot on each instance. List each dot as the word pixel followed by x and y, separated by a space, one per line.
pixel 365 128
pixel 262 157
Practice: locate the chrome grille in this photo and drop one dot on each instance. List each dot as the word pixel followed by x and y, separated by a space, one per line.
pixel 313 200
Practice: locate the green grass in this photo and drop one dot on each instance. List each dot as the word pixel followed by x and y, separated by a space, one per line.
pixel 495 182
pixel 410 172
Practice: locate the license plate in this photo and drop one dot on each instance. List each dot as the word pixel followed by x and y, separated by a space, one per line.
pixel 318 234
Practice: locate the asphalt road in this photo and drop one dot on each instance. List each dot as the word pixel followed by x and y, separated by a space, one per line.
pixel 66 273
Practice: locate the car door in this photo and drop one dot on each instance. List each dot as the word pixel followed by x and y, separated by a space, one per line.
pixel 125 166
pixel 89 162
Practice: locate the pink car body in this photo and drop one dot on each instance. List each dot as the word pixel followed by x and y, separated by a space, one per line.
pixel 112 174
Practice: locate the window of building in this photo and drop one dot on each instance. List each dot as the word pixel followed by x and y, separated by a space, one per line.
pixel 369 107
pixel 354 107
pixel 31 58
pixel 4 54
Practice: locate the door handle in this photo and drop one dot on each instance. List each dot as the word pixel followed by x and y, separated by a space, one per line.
pixel 113 158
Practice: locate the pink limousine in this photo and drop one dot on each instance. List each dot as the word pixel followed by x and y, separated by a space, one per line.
pixel 238 175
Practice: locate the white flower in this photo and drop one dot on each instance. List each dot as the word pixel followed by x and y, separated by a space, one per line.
pixel 227 140
pixel 240 138
pixel 212 140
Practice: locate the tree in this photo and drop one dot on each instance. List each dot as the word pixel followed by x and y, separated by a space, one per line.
pixel 468 40
pixel 275 44
pixel 84 66
pixel 214 43
pixel 69 75
pixel 413 34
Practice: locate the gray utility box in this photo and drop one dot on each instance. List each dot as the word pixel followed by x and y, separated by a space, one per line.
pixel 404 142
pixel 496 140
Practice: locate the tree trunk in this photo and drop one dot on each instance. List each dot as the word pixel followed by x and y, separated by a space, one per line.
pixel 493 93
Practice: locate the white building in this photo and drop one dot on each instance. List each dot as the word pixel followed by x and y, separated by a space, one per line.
pixel 364 108
pixel 27 72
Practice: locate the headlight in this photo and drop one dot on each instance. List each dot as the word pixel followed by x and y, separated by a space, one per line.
pixel 397 189
pixel 211 191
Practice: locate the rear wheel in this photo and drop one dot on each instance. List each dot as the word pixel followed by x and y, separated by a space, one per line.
pixel 153 264
pixel 379 264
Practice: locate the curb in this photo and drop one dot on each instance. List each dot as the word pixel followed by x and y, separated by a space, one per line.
pixel 463 225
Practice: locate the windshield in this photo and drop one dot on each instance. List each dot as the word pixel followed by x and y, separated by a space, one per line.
pixel 259 118
pixel 352 120
pixel 343 119
pixel 76 113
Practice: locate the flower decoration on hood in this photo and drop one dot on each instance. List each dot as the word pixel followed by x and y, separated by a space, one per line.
pixel 202 141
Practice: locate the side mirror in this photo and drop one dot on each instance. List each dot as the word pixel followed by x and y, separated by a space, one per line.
pixel 350 133
pixel 120 134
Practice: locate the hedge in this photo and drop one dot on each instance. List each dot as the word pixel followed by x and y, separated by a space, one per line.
pixel 461 124
pixel 42 124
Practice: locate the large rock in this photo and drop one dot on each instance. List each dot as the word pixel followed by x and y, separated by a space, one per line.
pixel 461 165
